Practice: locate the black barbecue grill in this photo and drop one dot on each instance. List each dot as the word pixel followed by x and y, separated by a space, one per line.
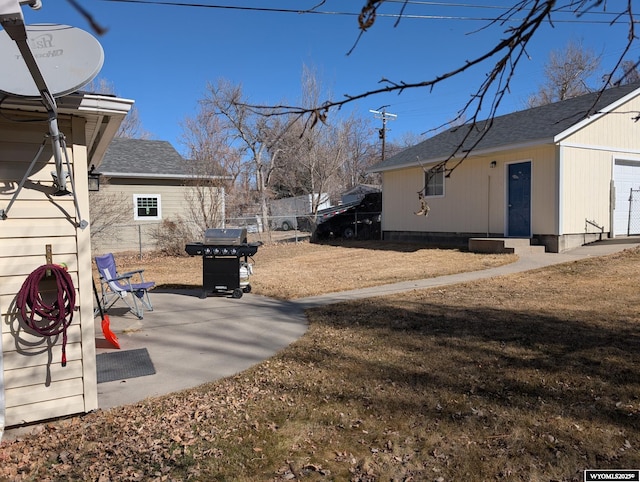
pixel 225 265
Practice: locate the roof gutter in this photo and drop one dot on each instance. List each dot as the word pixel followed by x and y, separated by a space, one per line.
pixel 142 175
pixel 77 103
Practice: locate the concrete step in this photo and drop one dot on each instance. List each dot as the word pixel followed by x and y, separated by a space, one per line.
pixel 503 245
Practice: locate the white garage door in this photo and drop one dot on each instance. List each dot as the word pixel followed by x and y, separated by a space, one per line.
pixel 626 175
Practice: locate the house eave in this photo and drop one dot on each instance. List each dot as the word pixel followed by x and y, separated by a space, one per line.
pixel 142 175
pixel 475 153
pixel 76 104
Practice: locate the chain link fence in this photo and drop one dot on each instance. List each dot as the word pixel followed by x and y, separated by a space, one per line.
pixel 633 224
pixel 157 236
pixel 120 238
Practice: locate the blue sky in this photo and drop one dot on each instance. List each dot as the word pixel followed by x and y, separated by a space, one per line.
pixel 162 56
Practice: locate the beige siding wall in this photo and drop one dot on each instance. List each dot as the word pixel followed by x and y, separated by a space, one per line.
pixel 474 200
pixel 615 131
pixel 585 194
pixel 544 189
pixel 36 386
pixel 129 234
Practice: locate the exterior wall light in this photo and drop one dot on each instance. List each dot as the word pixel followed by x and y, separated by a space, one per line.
pixel 93 179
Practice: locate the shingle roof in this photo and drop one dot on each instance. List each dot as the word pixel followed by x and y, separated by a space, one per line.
pixel 142 157
pixel 536 125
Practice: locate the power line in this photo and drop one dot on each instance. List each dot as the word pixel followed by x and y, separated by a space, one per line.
pixel 613 16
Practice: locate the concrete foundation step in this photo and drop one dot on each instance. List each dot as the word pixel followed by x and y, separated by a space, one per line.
pixel 504 245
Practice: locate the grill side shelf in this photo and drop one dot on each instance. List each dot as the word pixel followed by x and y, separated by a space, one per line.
pixel 194 249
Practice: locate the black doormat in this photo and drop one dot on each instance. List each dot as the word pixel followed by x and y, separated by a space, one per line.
pixel 120 365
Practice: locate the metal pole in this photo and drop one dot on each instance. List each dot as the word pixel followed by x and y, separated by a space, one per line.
pixel 629 217
pixel 382 114
pixel 488 204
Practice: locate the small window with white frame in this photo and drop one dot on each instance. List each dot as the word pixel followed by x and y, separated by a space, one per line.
pixel 147 207
pixel 434 182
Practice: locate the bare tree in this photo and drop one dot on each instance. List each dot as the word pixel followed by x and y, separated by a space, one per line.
pixel 216 167
pixel 209 145
pixel 326 159
pixel 131 126
pixel 105 211
pixel 360 152
pixel 630 73
pixel 257 137
pixel 320 153
pixel 289 176
pixel 566 74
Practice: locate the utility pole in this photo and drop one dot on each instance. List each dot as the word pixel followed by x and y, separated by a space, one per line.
pixel 385 116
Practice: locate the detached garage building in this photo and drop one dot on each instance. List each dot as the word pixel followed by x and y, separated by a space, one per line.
pixel 560 175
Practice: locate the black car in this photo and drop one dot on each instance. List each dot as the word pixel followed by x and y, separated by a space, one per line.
pixel 358 221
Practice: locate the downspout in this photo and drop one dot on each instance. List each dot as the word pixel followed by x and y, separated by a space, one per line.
pixel 488 204
pixel 560 193
pixel 612 206
pixel 492 165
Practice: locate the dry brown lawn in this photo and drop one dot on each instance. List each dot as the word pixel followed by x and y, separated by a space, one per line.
pixel 296 270
pixel 527 377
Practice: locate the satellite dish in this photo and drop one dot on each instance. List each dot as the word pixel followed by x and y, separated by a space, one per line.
pixel 67 57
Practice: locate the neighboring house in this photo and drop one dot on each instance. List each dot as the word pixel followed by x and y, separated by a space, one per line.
pixel 37 226
pixel 560 174
pixel 150 182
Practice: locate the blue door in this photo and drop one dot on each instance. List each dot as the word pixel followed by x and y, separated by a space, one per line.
pixel 519 200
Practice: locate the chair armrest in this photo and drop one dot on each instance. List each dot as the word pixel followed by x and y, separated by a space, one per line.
pixel 125 276
pixel 136 272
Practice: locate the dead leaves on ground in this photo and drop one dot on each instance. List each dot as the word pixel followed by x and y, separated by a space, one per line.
pixel 145 441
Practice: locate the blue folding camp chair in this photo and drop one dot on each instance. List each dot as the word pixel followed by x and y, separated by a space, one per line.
pixel 122 286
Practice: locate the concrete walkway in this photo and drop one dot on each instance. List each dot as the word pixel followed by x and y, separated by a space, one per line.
pixel 192 340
